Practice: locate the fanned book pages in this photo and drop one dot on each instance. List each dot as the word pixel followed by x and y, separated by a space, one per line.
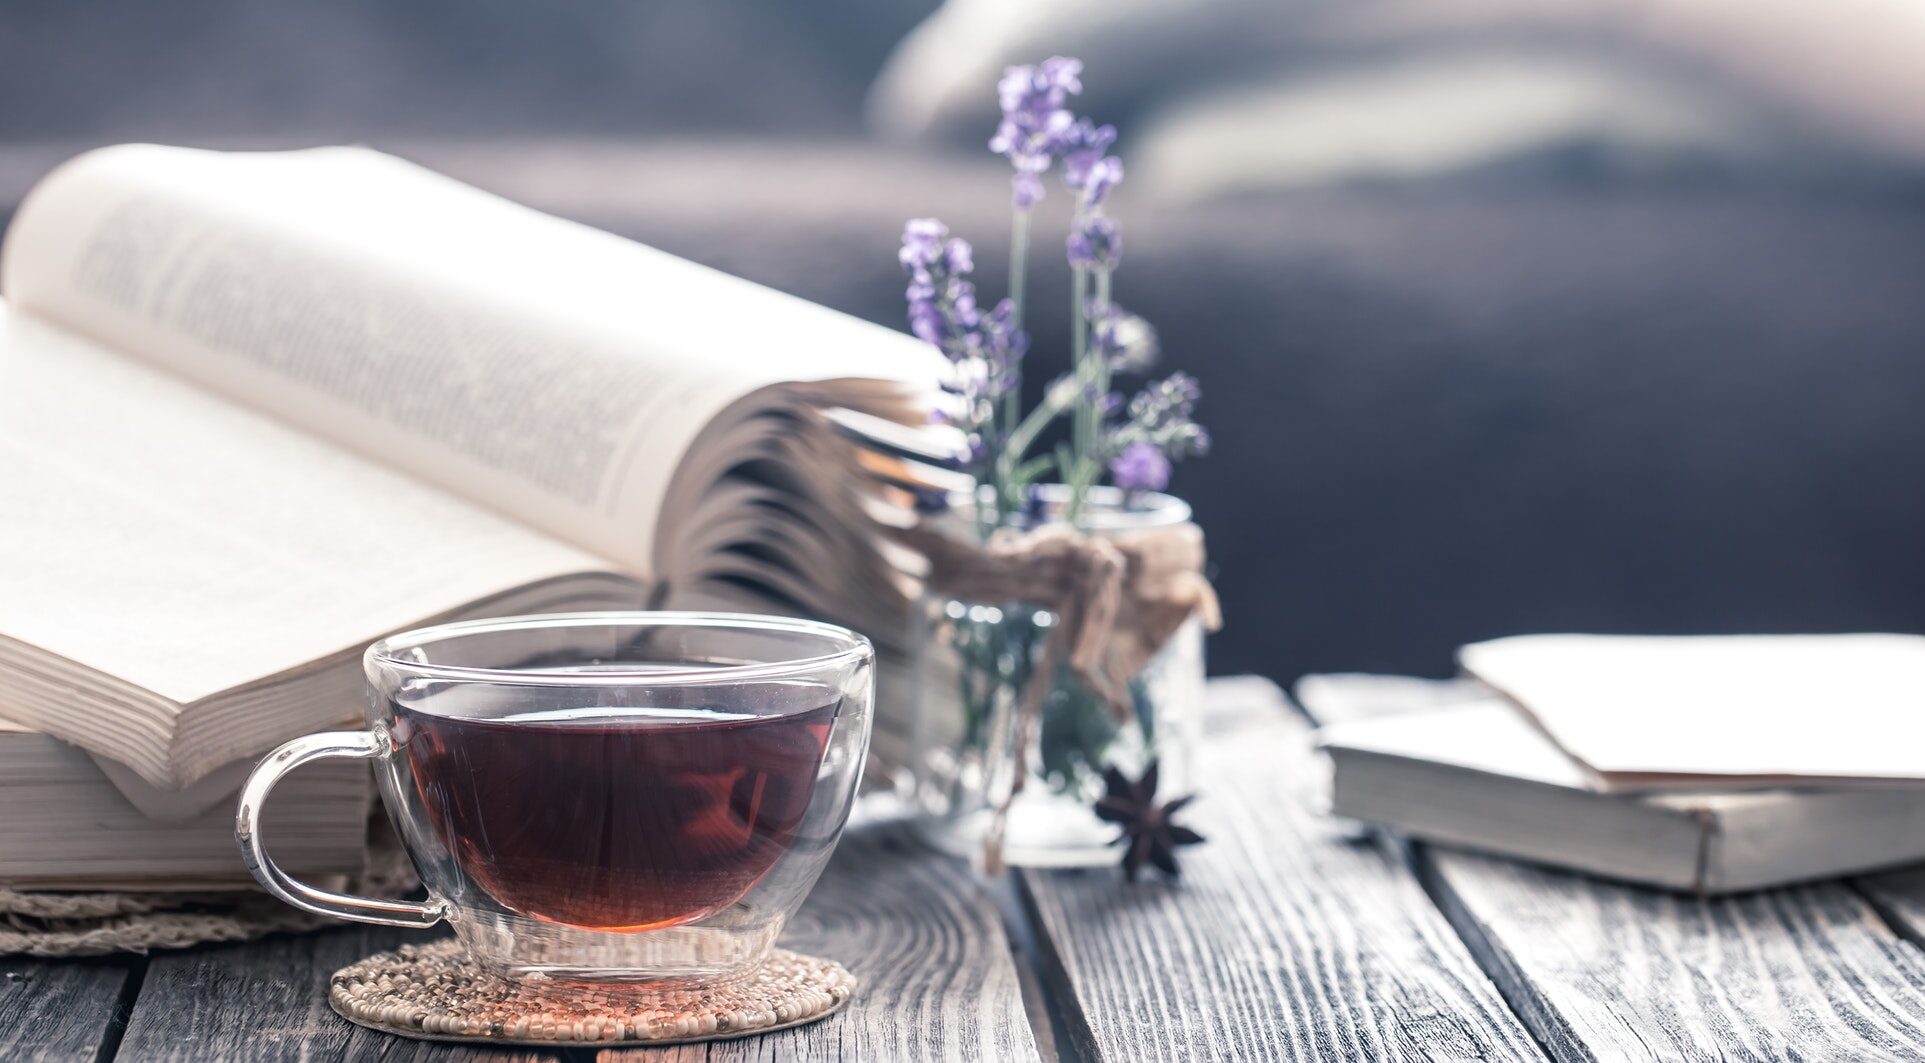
pixel 258 410
pixel 1682 712
pixel 1451 762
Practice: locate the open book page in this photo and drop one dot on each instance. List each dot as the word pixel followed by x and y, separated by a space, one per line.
pixel 552 372
pixel 1648 713
pixel 160 545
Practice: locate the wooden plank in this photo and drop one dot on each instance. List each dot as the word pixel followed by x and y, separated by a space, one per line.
pixel 1606 971
pixel 1602 971
pixel 1287 938
pixel 61 1010
pixel 267 1000
pixel 1899 896
pixel 938 979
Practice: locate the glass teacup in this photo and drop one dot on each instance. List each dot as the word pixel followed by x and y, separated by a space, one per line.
pixel 641 797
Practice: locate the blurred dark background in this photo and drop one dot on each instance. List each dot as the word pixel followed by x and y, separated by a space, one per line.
pixel 1511 316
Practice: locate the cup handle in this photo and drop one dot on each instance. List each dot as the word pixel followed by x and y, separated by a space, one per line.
pixel 357 745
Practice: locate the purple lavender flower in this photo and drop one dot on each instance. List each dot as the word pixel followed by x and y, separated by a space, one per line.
pixel 1171 397
pixel 1136 441
pixel 1140 467
pixel 962 303
pixel 921 243
pixel 1003 348
pixel 942 300
pixel 985 349
pixel 1083 145
pixel 1125 342
pixel 1095 242
pixel 1161 416
pixel 1025 189
pixel 925 320
pixel 1035 118
pixel 1037 93
pixel 1104 174
pixel 959 256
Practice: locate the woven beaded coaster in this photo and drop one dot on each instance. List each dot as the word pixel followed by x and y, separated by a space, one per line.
pixel 434 992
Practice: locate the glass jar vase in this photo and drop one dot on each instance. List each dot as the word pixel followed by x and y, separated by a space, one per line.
pixel 974 659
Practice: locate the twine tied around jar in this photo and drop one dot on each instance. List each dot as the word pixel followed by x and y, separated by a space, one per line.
pixel 1116 601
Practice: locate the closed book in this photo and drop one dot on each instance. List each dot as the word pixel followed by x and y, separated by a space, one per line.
pixel 1452 762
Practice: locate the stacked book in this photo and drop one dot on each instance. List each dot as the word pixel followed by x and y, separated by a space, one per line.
pixel 1707 764
pixel 259 410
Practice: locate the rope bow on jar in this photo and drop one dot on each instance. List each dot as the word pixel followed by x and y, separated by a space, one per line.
pixel 1116 600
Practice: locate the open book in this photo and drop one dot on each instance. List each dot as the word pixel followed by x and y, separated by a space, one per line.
pixel 1720 711
pixel 257 410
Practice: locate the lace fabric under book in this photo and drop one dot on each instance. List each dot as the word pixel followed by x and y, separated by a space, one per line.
pixel 96 923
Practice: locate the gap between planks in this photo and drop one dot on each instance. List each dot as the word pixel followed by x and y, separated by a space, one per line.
pixel 939 981
pixel 1601 970
pixel 65 1009
pixel 1290 937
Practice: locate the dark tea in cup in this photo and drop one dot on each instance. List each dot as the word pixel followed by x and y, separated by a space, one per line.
pixel 632 797
pixel 616 817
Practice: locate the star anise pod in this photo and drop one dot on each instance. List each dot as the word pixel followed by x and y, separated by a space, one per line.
pixel 1148 834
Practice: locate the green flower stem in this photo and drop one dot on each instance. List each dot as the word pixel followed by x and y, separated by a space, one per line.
pixel 1004 476
pixel 1083 429
pixel 1025 434
pixel 1018 285
pixel 1102 300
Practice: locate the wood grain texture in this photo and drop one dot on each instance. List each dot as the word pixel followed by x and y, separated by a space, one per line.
pixel 61 1010
pixel 267 1000
pixel 1899 896
pixel 1606 971
pixel 1602 971
pixel 938 979
pixel 1287 938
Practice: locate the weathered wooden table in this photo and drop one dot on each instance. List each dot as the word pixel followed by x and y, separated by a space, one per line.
pixel 1290 937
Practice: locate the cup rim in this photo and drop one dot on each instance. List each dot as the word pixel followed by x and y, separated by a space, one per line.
pixel 387 652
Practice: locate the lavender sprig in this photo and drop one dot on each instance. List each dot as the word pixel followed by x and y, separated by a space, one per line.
pixel 1035 118
pixel 1160 420
pixel 1095 249
pixel 1135 443
pixel 942 299
pixel 1140 466
pixel 1036 127
pixel 1096 243
pixel 1084 147
pixel 1124 341
pixel 985 349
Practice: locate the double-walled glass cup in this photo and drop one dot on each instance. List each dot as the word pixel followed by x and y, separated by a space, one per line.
pixel 640 797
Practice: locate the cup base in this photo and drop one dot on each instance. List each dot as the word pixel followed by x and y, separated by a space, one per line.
pixel 669 958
